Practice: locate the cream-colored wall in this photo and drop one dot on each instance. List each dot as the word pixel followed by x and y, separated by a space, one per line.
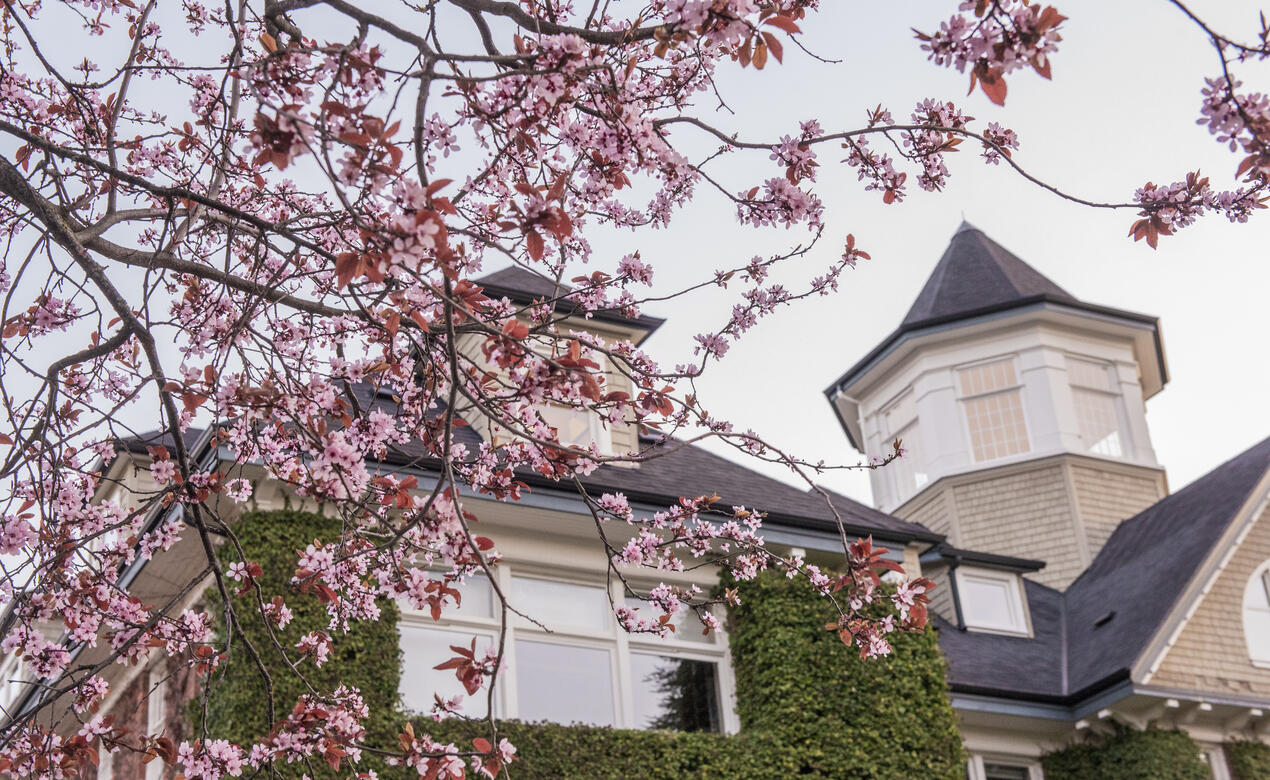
pixel 1211 653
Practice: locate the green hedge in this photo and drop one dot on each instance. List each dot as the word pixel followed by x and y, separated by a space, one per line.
pixel 1248 760
pixel 367 657
pixel 809 706
pixel 1130 754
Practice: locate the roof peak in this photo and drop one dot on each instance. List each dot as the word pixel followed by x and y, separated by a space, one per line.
pixel 974 274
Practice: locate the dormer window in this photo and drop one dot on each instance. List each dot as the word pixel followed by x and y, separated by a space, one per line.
pixel 992 400
pixel 1096 398
pixel 899 421
pixel 1257 616
pixel 577 427
pixel 992 600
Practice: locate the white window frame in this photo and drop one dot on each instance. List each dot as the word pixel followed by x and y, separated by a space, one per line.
pixel 1017 387
pixel 156 715
pixel 1112 391
pixel 12 677
pixel 976 765
pixel 1256 599
pixel 614 638
pixel 1020 623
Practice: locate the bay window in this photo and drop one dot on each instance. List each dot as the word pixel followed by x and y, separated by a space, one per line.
pixel 569 661
pixel 992 402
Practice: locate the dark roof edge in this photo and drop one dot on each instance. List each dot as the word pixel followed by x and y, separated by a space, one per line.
pixel 645 497
pixel 1070 700
pixel 948 552
pixel 569 307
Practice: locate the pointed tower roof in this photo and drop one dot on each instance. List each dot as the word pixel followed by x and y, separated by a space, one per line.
pixel 977 280
pixel 977 274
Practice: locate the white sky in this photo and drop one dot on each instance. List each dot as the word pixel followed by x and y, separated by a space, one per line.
pixel 1120 111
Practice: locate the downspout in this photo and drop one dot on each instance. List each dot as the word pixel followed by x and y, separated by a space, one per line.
pixel 952 583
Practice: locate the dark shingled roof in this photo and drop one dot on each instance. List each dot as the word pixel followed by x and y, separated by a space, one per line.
pixel 975 274
pixel 1148 561
pixel 1014 666
pixel 1131 586
pixel 524 286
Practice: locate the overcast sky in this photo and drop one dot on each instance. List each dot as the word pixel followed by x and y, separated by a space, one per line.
pixel 1121 111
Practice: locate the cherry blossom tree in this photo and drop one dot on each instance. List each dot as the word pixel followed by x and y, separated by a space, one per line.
pixel 255 218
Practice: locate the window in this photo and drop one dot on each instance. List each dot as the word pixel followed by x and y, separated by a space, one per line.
pixel 1096 401
pixel 1003 768
pixel 899 421
pixel 583 668
pixel 992 400
pixel 991 600
pixel 156 715
pixel 1257 615
pixel 12 685
pixel 577 427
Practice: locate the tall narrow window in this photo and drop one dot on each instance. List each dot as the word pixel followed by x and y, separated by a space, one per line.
pixel 1257 615
pixel 900 422
pixel 1096 400
pixel 156 715
pixel 992 399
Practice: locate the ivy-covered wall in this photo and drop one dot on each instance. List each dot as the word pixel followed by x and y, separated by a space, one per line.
pixel 809 706
pixel 368 657
pixel 1248 760
pixel 1130 754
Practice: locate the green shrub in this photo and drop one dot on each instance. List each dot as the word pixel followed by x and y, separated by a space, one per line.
pixel 1248 760
pixel 1130 754
pixel 367 657
pixel 827 712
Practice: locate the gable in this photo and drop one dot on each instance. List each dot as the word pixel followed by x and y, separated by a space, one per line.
pixel 1210 651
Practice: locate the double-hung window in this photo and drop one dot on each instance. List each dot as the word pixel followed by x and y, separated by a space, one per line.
pixel 1096 399
pixel 992 401
pixel 568 660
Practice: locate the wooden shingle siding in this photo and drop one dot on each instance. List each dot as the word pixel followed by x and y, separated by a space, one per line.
pixel 1211 653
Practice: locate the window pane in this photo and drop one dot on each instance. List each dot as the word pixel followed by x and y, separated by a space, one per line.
pixel 1098 422
pixel 1004 772
pixel 424 648
pixel 987 377
pixel 1087 373
pixel 996 425
pixel 564 684
pixel 687 625
pixel 560 604
pixel 573 426
pixel 476 598
pixel 674 693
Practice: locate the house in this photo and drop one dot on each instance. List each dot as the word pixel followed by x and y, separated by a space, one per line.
pixel 1075 591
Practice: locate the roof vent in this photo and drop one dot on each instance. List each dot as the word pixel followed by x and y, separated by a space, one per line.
pixel 1105 619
